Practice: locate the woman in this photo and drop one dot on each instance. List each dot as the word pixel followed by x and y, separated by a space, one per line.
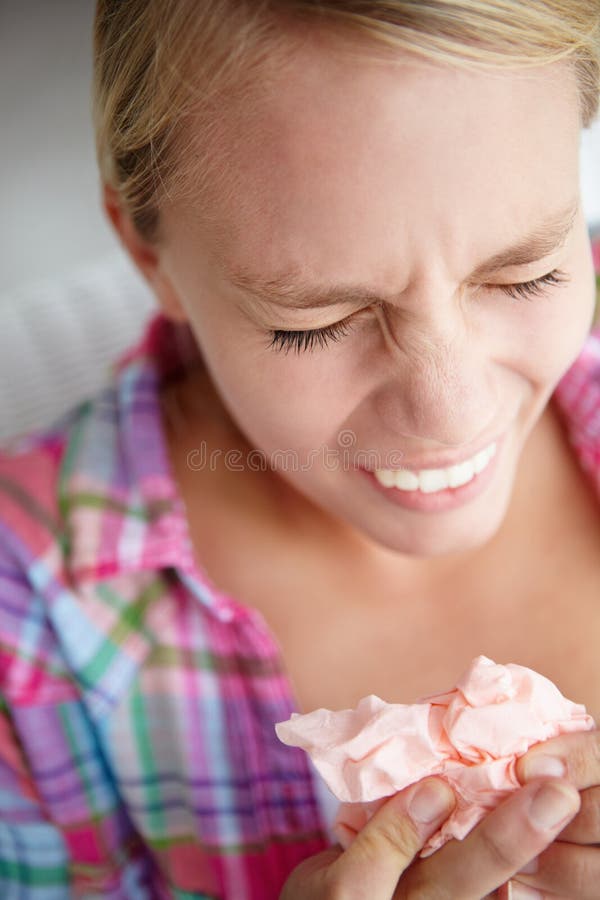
pixel 355 450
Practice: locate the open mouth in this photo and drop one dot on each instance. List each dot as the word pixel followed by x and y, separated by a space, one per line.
pixel 437 490
pixel 429 481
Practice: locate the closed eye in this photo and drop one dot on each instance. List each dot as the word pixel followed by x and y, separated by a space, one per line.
pixel 307 340
pixel 526 290
pixel 320 337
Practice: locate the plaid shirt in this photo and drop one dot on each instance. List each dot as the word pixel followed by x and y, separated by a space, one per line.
pixel 138 757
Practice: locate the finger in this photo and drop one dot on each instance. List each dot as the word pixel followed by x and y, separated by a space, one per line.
pixel 518 891
pixel 312 871
pixel 385 847
pixel 585 827
pixel 515 832
pixel 565 869
pixel 572 756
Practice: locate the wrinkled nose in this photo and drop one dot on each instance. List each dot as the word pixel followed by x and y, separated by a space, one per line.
pixel 439 393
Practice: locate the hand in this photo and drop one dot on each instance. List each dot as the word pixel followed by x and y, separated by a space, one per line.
pixel 380 863
pixel 570 868
pixel 380 853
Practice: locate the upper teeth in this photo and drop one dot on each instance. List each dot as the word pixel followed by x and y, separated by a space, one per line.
pixel 430 480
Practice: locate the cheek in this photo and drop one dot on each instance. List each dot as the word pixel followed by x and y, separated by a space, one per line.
pixel 278 401
pixel 542 337
pixel 281 402
pixel 302 408
pixel 567 316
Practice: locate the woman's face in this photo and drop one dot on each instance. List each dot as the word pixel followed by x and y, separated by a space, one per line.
pixel 392 189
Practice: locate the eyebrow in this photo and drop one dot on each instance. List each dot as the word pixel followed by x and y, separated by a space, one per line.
pixel 285 289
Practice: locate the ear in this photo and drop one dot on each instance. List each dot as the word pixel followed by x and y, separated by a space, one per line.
pixel 145 256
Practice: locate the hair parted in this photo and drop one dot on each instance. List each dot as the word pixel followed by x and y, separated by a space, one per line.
pixel 157 60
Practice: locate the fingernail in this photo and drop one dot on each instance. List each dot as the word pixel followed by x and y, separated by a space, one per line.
pixel 551 804
pixel 344 834
pixel 543 766
pixel 522 892
pixel 430 802
pixel 531 867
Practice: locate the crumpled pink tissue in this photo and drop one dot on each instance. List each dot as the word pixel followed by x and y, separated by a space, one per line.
pixel 471 735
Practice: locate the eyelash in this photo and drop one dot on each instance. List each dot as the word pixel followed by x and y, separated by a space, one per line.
pixel 306 340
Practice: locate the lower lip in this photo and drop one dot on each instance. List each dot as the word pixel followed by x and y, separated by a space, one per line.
pixel 440 501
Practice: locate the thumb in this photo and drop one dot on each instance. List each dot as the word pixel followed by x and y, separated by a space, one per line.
pixel 385 847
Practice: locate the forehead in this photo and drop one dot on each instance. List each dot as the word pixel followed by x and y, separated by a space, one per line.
pixel 336 151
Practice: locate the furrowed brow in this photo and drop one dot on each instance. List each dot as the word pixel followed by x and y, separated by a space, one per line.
pixel 539 243
pixel 287 290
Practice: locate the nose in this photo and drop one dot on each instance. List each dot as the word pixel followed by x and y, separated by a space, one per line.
pixel 439 391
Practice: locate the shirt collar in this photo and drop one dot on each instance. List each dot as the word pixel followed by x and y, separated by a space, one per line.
pixel 119 498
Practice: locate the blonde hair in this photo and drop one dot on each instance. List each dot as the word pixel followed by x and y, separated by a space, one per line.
pixel 156 61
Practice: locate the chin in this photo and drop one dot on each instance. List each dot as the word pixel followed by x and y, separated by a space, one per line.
pixel 427 548
pixel 441 535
